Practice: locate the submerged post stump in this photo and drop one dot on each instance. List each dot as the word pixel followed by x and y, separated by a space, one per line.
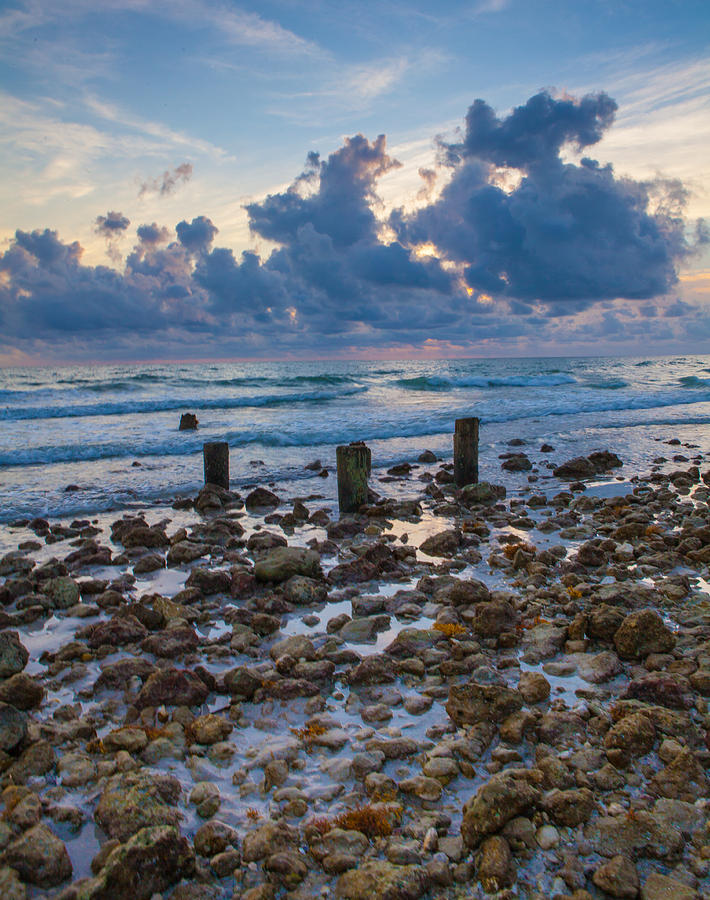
pixel 466 451
pixel 216 459
pixel 354 462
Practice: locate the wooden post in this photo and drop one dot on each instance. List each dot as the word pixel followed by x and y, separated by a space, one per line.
pixel 466 451
pixel 216 459
pixel 354 463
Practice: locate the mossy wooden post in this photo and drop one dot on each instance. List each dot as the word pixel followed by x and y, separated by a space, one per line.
pixel 466 451
pixel 216 459
pixel 354 463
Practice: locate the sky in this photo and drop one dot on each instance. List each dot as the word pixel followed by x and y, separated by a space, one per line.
pixel 196 179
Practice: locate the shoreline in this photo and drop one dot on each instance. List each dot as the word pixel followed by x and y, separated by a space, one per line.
pixel 509 691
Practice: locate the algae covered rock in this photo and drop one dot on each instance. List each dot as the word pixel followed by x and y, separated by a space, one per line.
pixel 39 857
pixel 381 879
pixel 282 563
pixel 13 655
pixel 131 802
pixel 641 633
pixel 494 804
pixel 471 703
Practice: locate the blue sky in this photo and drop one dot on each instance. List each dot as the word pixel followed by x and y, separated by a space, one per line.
pixel 186 111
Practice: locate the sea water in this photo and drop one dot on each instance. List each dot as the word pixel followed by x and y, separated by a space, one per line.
pixel 82 439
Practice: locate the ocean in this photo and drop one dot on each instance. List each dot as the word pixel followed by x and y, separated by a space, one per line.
pixel 87 439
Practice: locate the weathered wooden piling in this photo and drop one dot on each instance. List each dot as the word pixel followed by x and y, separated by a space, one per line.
pixel 216 459
pixel 354 462
pixel 188 422
pixel 466 451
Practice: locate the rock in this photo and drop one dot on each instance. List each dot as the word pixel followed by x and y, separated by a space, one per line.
pixel 682 779
pixel 496 869
pixel 142 536
pixel 495 618
pixel 641 834
pixel 117 675
pixel 574 469
pixel 471 703
pixel 21 691
pixel 631 737
pixel 446 543
pixel 498 801
pixel 13 727
pixel 411 642
pixel 132 801
pixel 188 422
pixel 272 837
pixel 664 887
pixel 663 688
pixel 423 787
pixel 516 462
pixel 147 864
pixel 585 467
pixel 185 552
pixel 381 879
pixel 282 563
pixel 340 840
pixel 678 814
pixel 13 655
pixel 570 807
pixel 243 681
pixel 171 642
pixel 463 592
pixel 641 633
pixel 210 729
pixel 547 837
pixel 261 498
pixel 173 687
pixel 149 563
pixel 618 877
pixel 39 857
pixel 63 591
pixel 591 555
pixel 542 642
pixel 377 561
pixel 11 888
pixel 286 868
pixel 364 630
pixel 117 632
pixel 598 668
pixel 604 621
pixel 302 591
pixel 483 493
pixel 209 581
pixel 534 687
pixel 374 669
pixel 215 837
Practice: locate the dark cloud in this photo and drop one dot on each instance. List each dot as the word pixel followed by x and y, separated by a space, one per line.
pixel 152 234
pixel 565 238
pixel 167 182
pixel 535 133
pixel 111 225
pixel 196 236
pixel 566 233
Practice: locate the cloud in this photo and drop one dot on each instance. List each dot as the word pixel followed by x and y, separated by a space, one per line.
pixel 573 234
pixel 196 236
pixel 112 224
pixel 556 253
pixel 152 234
pixel 166 183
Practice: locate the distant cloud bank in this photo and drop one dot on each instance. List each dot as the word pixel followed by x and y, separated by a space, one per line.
pixel 517 246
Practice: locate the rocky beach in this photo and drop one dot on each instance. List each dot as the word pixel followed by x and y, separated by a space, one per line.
pixel 499 690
